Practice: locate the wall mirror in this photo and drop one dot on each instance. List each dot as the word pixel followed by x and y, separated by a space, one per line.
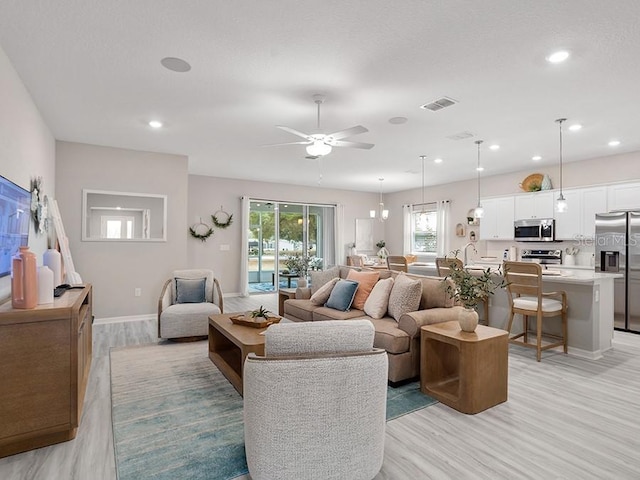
pixel 364 235
pixel 123 217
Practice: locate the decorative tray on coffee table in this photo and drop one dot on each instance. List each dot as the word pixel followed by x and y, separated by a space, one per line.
pixel 242 320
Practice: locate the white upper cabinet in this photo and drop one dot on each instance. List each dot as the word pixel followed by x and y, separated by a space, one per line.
pixel 579 220
pixel 624 196
pixel 497 222
pixel 534 205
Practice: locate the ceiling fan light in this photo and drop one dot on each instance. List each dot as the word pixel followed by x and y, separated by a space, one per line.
pixel 318 148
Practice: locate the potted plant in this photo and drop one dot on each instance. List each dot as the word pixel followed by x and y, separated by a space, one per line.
pixel 260 315
pixel 301 264
pixel 468 289
pixel 383 253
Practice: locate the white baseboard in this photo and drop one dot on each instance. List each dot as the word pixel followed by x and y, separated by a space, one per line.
pixel 130 318
pixel 232 294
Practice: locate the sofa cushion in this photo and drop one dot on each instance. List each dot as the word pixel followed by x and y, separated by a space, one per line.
pixel 320 277
pixel 323 313
pixel 366 282
pixel 190 290
pixel 389 336
pixel 378 301
pixel 434 293
pixel 302 309
pixel 405 296
pixel 342 295
pixel 322 294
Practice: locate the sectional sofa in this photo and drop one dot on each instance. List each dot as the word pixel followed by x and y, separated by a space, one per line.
pixel 397 330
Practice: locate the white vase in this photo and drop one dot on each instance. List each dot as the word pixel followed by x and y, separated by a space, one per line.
pixel 468 319
pixel 301 282
pixel 53 260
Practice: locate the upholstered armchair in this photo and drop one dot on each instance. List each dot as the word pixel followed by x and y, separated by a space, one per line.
pixel 186 301
pixel 315 404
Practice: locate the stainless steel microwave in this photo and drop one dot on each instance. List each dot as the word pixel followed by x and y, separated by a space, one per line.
pixel 534 230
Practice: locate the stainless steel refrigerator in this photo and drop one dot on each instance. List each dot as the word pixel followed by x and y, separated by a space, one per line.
pixel 617 249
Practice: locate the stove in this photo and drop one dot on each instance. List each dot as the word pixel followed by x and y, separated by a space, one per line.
pixel 545 257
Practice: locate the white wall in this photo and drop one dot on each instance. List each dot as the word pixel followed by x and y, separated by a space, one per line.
pixel 27 148
pixel 207 194
pixel 116 269
pixel 463 195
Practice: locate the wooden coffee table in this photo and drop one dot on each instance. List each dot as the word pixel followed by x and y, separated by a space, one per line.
pixel 229 345
pixel 466 371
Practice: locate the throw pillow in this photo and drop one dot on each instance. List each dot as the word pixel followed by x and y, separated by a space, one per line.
pixel 323 293
pixel 342 295
pixel 366 282
pixel 190 290
pixel 405 296
pixel 378 301
pixel 320 277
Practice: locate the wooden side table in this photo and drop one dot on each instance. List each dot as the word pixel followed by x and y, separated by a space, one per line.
pixel 466 371
pixel 284 294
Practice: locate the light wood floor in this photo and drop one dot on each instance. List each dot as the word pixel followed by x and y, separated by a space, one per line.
pixel 566 418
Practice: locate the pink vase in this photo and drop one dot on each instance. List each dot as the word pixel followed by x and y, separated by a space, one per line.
pixel 24 286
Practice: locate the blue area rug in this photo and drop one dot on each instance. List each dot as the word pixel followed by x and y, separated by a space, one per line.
pixel 269 287
pixel 175 416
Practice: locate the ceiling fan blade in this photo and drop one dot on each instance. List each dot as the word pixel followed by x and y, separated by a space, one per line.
pixel 349 132
pixel 341 143
pixel 287 143
pixel 295 132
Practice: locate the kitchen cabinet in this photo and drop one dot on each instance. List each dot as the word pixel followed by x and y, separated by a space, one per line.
pixel 624 196
pixel 497 222
pixel 45 358
pixel 578 222
pixel 534 205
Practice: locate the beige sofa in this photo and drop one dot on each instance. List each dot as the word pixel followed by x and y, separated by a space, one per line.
pixel 401 339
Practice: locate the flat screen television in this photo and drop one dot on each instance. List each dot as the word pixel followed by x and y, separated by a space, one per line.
pixel 15 203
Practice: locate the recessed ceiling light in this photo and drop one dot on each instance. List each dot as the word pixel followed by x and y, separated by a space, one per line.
pixel 155 124
pixel 398 120
pixel 558 57
pixel 494 147
pixel 535 158
pixel 614 143
pixel 437 160
pixel 575 127
pixel 480 169
pixel 175 64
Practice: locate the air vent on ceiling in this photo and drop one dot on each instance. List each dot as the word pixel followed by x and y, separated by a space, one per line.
pixel 439 104
pixel 460 136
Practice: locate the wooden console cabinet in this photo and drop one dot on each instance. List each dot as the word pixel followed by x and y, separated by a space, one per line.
pixel 45 357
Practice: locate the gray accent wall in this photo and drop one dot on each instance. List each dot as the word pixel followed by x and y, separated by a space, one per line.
pixel 208 194
pixel 116 269
pixel 27 148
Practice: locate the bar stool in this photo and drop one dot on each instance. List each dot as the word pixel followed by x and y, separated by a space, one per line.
pixel 524 284
pixel 443 266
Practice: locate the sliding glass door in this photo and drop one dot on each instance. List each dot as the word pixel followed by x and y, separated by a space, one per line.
pixel 281 230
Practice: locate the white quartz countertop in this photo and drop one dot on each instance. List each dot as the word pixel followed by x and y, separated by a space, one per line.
pixel 557 274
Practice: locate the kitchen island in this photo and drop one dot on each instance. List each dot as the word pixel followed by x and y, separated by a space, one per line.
pixel 590 312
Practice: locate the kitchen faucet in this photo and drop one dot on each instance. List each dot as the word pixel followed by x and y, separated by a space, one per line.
pixel 464 250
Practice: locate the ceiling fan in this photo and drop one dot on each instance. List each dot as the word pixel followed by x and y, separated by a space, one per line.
pixel 320 144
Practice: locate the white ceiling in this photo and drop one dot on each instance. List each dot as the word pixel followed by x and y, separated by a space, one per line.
pixel 93 68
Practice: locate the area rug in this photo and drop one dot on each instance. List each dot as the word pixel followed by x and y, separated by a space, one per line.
pixel 176 416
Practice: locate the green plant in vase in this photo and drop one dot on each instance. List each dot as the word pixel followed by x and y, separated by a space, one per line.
pixel 469 289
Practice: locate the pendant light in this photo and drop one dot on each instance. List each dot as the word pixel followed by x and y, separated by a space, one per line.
pixel 479 211
pixel 381 213
pixel 561 203
pixel 423 219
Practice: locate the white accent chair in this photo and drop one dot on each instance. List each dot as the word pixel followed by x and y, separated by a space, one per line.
pixel 315 404
pixel 188 320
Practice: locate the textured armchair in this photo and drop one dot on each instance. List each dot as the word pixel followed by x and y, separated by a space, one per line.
pixel 315 404
pixel 186 301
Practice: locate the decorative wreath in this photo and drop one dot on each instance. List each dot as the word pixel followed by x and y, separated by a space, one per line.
pixel 222 224
pixel 208 231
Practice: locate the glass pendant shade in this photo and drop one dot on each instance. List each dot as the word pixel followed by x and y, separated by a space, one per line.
pixel 382 213
pixel 561 204
pixel 478 212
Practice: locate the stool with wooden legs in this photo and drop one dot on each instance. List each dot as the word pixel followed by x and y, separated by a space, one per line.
pixel 526 298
